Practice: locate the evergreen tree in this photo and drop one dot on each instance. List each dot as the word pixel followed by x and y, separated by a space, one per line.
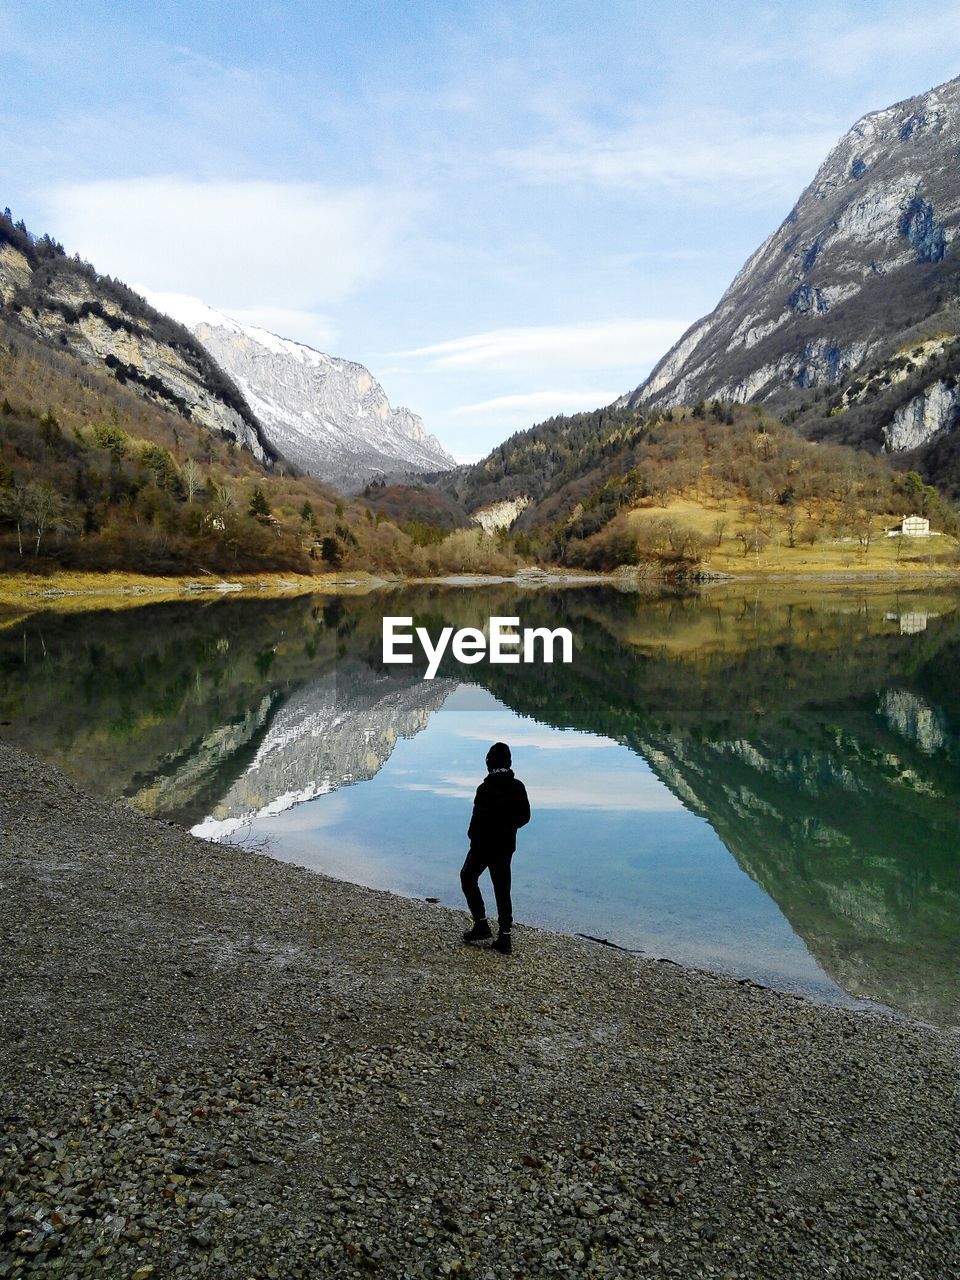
pixel 331 552
pixel 259 506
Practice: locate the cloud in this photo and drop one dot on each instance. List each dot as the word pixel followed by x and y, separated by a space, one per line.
pixel 738 159
pixel 612 790
pixel 263 247
pixel 315 330
pixel 611 345
pixel 542 401
pixel 851 50
pixel 612 793
pixel 846 50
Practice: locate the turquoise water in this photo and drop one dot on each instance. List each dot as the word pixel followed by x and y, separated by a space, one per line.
pixel 761 782
pixel 610 851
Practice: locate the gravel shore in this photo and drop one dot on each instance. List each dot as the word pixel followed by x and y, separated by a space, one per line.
pixel 215 1064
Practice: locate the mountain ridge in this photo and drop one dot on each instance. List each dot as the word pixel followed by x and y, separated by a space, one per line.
pixel 327 414
pixel 67 303
pixel 860 275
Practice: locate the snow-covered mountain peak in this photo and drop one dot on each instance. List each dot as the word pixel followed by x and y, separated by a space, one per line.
pixel 187 310
pixel 194 313
pixel 326 414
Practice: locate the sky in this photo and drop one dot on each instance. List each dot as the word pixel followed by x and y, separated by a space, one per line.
pixel 505 210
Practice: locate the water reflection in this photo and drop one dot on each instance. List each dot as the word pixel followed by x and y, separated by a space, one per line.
pixel 757 782
pixel 335 731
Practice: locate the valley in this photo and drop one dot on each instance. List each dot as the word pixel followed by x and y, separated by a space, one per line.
pixel 327 416
pixel 380 382
pixel 789 432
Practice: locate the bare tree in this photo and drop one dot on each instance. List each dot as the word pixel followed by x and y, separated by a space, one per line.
pixel 192 479
pixel 809 532
pixel 676 535
pixel 46 509
pixel 754 540
pixel 863 526
pixel 223 505
pixel 13 508
pixel 37 507
pixel 791 520
pixel 661 533
pixel 693 545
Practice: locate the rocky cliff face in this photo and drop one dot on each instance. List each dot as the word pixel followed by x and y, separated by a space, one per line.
pixel 327 415
pixel 499 515
pixel 922 418
pixel 64 302
pixel 862 271
pixel 15 273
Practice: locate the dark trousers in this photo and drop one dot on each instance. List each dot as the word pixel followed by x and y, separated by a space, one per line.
pixel 498 864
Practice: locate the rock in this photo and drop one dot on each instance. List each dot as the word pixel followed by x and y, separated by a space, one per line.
pixel 328 415
pixel 922 418
pixel 105 324
pixel 857 252
pixel 499 515
pixel 641 1118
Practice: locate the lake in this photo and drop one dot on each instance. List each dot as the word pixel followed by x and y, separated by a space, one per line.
pixel 757 779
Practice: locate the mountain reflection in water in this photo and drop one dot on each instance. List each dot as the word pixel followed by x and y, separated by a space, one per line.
pixel 709 768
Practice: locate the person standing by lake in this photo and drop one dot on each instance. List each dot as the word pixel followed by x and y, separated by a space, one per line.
pixel 500 808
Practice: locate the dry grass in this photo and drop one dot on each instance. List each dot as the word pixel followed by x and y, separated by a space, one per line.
pixel 827 555
pixel 78 592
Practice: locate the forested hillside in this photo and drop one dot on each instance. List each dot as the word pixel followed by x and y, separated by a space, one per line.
pixel 540 460
pixel 94 477
pixel 614 487
pixel 150 460
pixel 64 302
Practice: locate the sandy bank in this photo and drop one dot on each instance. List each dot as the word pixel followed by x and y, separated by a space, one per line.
pixel 82 591
pixel 212 1063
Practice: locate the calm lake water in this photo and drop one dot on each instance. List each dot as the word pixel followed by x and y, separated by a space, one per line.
pixel 762 781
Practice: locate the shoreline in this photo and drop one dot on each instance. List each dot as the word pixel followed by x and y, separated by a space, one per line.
pixel 126 590
pixel 215 1063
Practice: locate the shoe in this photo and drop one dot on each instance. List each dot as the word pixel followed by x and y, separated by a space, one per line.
pixel 503 945
pixel 481 932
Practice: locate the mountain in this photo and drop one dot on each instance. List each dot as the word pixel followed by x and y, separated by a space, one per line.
pixel 704 486
pixel 327 415
pixel 847 317
pixel 834 783
pixel 64 303
pixel 119 435
pixel 816 818
pixel 195 743
pixel 96 476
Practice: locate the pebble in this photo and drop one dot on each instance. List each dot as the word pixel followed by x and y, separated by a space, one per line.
pixel 175 1102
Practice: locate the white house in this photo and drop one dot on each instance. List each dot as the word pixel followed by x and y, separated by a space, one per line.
pixel 915 527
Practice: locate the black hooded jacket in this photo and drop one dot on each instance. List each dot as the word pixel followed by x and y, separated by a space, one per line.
pixel 499 809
